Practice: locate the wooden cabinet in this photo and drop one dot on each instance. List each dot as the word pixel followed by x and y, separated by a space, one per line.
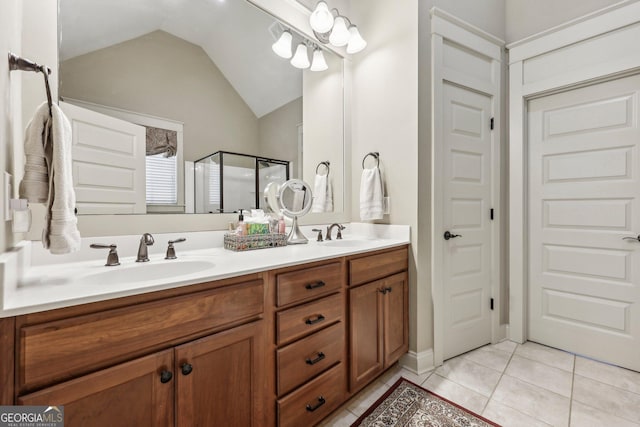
pixel 283 347
pixel 218 379
pixel 195 358
pixel 130 394
pixel 378 316
pixel 309 344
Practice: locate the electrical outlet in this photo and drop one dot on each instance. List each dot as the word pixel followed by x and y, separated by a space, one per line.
pixel 8 195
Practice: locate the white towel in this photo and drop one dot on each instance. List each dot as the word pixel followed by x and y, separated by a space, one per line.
pixel 371 195
pixel 322 194
pixel 35 184
pixel 60 234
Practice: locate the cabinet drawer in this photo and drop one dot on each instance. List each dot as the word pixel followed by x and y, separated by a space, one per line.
pixel 369 268
pixel 302 320
pixel 58 350
pixel 304 359
pixel 308 283
pixel 313 401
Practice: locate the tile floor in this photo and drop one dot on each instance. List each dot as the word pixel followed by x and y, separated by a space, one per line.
pixel 521 385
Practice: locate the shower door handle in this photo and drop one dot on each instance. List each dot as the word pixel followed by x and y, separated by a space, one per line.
pixel 637 238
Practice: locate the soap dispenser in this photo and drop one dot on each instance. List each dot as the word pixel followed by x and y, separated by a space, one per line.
pixel 241 230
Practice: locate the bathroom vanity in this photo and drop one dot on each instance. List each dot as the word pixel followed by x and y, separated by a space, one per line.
pixel 281 346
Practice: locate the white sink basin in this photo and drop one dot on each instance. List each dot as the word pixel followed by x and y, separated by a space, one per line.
pixel 148 271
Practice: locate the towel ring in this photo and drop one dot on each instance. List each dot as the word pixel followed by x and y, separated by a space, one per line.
pixel 373 154
pixel 325 164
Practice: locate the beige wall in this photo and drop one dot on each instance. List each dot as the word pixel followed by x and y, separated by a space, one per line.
pixel 525 17
pixel 278 133
pixel 165 76
pixel 385 119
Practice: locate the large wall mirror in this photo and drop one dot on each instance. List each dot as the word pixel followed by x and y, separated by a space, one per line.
pixel 192 78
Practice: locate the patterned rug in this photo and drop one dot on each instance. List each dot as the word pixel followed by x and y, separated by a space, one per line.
pixel 408 404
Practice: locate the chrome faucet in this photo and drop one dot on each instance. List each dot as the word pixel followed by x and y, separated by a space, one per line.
pixel 143 254
pixel 339 235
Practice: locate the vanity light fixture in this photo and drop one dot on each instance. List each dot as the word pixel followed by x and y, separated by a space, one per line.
pixel 282 47
pixel 318 62
pixel 301 58
pixel 337 30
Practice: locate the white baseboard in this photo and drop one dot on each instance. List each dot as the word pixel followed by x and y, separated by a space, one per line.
pixel 418 363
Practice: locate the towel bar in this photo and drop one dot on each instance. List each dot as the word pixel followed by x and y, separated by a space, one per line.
pixel 23 64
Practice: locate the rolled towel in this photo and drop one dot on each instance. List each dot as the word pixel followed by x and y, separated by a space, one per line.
pixel 35 184
pixel 322 194
pixel 371 195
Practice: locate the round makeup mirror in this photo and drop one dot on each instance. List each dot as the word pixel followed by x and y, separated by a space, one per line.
pixel 295 198
pixel 271 194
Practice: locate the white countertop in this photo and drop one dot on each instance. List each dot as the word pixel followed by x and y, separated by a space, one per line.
pixel 33 281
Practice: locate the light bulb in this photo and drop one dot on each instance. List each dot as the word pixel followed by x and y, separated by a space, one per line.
pixel 282 47
pixel 318 63
pixel 321 19
pixel 339 34
pixel 356 42
pixel 300 59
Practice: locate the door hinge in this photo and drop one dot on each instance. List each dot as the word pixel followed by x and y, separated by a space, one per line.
pixel 491 304
pixel 491 123
pixel 491 214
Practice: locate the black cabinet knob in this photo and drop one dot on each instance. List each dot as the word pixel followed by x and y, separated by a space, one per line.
pixel 186 368
pixel 165 376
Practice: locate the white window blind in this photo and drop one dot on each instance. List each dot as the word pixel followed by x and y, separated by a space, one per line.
pixel 214 184
pixel 162 180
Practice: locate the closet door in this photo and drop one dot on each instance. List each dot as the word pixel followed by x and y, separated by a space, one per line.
pixel 584 221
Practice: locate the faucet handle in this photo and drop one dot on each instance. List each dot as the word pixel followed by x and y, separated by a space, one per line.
pixel 319 231
pixel 171 251
pixel 340 228
pixel 112 258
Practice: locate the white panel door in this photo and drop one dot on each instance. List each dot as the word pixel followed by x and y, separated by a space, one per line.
pixel 467 157
pixel 584 190
pixel 108 162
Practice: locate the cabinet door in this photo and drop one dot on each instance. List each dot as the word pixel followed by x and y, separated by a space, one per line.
pixel 366 325
pixel 219 379
pixel 396 318
pixel 130 394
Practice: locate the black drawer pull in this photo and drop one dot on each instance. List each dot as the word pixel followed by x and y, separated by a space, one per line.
pixel 321 402
pixel 316 285
pixel 318 319
pixel 316 360
pixel 388 290
pixel 385 291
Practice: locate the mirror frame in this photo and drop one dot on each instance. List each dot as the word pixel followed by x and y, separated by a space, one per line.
pixel 290 13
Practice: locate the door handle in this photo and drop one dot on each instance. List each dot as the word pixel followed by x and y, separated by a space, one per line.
pixel 448 235
pixel 632 238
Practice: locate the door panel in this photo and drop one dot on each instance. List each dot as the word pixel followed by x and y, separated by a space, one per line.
pixel 107 150
pixel 468 196
pixel 130 394
pixel 584 190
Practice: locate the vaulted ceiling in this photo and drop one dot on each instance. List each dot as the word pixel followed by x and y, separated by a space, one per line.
pixel 235 35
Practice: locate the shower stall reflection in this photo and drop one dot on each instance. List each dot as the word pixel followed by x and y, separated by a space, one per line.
pixel 228 182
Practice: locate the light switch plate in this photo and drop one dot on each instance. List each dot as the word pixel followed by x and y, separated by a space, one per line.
pixel 8 195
